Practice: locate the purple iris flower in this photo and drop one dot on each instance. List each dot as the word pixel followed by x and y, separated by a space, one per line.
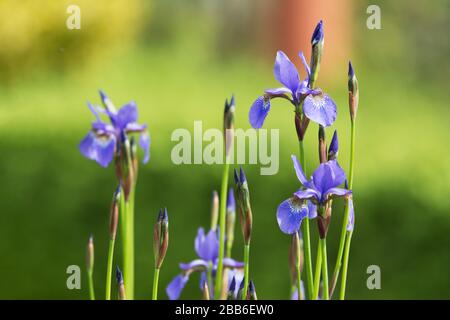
pixel 291 212
pixel 323 184
pixel 104 139
pixel 207 248
pixel 317 106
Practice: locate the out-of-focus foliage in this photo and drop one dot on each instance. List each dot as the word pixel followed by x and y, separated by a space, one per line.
pixel 33 34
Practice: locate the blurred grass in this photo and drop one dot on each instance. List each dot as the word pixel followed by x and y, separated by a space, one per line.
pixel 53 197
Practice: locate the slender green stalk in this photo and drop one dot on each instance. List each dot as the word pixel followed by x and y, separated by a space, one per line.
pixel 127 222
pixel 299 275
pixel 306 233
pixel 222 216
pixel 109 268
pixel 323 245
pixel 246 270
pixel 344 232
pixel 345 266
pixel 91 286
pixel 317 272
pixel 155 284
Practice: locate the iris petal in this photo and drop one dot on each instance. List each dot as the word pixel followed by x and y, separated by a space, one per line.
pixel 290 214
pixel 285 72
pixel 258 112
pixel 99 149
pixel 351 215
pixel 127 114
pixel 299 171
pixel 320 108
pixel 194 264
pixel 144 142
pixel 207 246
pixel 177 285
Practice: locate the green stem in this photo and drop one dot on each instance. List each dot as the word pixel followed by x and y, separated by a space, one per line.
pixel 306 234
pixel 299 275
pixel 155 284
pixel 222 216
pixel 246 269
pixel 345 265
pixel 317 272
pixel 344 232
pixel 323 245
pixel 127 222
pixel 109 268
pixel 91 286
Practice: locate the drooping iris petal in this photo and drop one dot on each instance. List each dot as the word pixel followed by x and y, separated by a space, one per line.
pixel 278 91
pixel 177 285
pixel 258 112
pixel 100 149
pixel 308 194
pixel 207 246
pixel 135 127
pixel 328 175
pixel 197 264
pixel 320 108
pixel 299 171
pixel 144 142
pixel 285 72
pixel 312 210
pixel 351 215
pixel 290 214
pixel 336 192
pixel 231 263
pixel 127 114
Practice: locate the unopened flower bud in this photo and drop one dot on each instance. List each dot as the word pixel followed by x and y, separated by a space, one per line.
pixel 251 291
pixel 243 205
pixel 240 293
pixel 353 92
pixel 317 40
pixel 333 149
pixel 228 124
pixel 114 214
pixel 295 256
pixel 230 219
pixel 120 284
pixel 322 145
pixel 124 165
pixel 214 210
pixel 232 289
pixel 206 294
pixel 161 237
pixel 90 255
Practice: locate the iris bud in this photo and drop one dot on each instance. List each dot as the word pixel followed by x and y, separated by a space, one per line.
pixel 121 290
pixel 114 214
pixel 214 210
pixel 90 255
pixel 243 205
pixel 161 237
pixel 334 147
pixel 230 219
pixel 322 145
pixel 353 92
pixel 232 289
pixel 251 291
pixel 317 40
pixel 228 124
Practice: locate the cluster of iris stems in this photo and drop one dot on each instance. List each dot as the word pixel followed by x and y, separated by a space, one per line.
pixel 222 277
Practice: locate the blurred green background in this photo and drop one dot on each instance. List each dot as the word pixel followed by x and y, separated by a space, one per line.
pixel 179 60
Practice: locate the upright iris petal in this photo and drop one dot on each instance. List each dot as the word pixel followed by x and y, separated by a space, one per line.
pixel 206 245
pixel 285 72
pixel 320 108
